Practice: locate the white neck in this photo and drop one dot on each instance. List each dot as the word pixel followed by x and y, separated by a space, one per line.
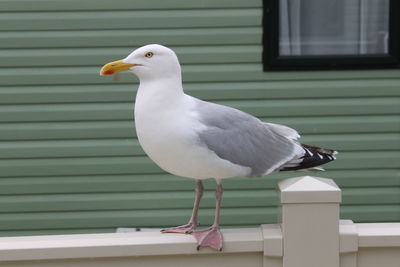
pixel 160 89
pixel 155 97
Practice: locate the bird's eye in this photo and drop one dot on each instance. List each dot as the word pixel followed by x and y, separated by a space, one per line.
pixel 149 54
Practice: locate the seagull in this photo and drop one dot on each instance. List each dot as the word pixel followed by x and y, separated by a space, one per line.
pixel 196 139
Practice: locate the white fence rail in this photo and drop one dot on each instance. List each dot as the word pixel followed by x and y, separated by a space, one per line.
pixel 310 235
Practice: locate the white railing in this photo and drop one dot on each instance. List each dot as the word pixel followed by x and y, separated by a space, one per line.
pixel 310 235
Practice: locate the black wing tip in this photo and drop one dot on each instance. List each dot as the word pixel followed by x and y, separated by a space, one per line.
pixel 321 150
pixel 313 157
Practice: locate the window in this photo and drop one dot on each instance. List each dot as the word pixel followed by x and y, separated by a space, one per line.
pixel 331 34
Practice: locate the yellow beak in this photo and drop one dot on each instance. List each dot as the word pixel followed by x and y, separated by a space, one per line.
pixel 115 66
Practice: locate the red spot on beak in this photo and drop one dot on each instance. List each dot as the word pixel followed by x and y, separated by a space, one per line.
pixel 108 72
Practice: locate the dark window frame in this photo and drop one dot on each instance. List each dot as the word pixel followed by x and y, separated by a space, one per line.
pixel 273 61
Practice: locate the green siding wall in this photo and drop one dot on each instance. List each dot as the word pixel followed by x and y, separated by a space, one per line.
pixel 69 160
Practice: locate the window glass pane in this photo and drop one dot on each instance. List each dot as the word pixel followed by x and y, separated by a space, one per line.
pixel 333 27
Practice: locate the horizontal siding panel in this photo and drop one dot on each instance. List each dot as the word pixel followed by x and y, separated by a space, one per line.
pixel 370 213
pixel 143 201
pixel 143 165
pixel 130 218
pixel 167 183
pixel 345 124
pixel 207 91
pixel 75 166
pixel 131 147
pixel 94 5
pixel 93 184
pixel 372 196
pixel 99 56
pixel 130 38
pixel 66 130
pixel 164 218
pixel 367 160
pixel 70 148
pixel 261 108
pixel 359 142
pixel 130 19
pixel 73 112
pixel 125 129
pixel 253 72
pixel 66 94
pixel 319 107
pixel 191 73
pixel 295 89
pixel 175 200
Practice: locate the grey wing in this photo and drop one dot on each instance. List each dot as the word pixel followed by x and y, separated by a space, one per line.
pixel 243 139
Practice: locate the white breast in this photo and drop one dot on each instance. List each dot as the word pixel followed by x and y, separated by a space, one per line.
pixel 167 130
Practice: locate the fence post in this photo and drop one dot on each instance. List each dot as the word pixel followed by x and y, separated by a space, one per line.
pixel 310 222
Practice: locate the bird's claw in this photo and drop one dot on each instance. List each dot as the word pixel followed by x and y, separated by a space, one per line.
pixel 183 229
pixel 210 237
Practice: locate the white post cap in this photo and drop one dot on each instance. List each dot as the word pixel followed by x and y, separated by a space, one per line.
pixel 308 189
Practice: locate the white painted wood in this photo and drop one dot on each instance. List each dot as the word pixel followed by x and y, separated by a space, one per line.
pixel 348 241
pixel 378 257
pixel 273 245
pixel 308 189
pixel 251 259
pixel 243 240
pixel 378 234
pixel 310 222
pixel 250 247
pixel 310 235
pixel 273 240
pixel 348 236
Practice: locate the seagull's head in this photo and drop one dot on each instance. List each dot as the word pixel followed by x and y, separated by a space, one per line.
pixel 147 62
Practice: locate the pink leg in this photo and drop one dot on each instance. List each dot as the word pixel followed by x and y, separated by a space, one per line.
pixel 193 222
pixel 212 236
